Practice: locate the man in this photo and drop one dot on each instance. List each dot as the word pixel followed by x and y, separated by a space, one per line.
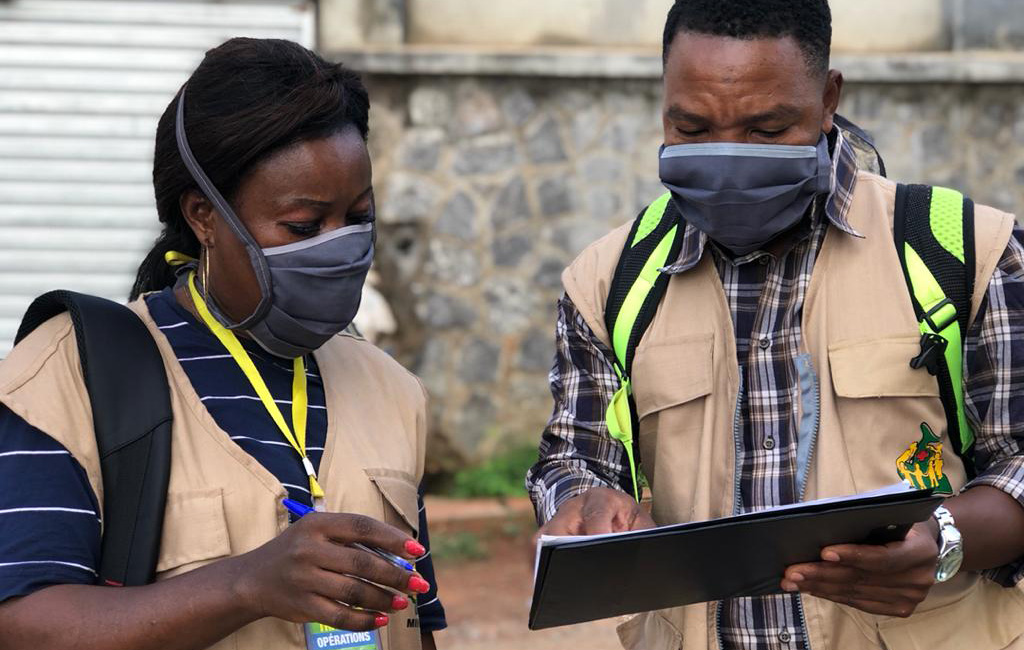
pixel 776 368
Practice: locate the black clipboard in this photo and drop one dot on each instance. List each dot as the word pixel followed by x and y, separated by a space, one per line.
pixel 586 579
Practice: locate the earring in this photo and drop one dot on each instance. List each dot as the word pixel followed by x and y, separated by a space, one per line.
pixel 206 273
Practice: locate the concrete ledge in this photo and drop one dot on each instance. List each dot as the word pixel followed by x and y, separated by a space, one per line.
pixel 937 67
pixel 562 62
pixel 577 62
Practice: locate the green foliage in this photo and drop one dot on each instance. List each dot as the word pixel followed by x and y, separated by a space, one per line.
pixel 458 545
pixel 501 476
pixel 513 529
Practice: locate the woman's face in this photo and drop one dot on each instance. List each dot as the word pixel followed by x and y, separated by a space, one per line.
pixel 305 190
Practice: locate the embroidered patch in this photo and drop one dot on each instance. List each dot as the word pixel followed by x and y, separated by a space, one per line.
pixel 921 464
pixel 322 637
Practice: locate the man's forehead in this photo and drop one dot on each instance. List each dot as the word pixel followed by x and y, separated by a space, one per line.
pixel 727 60
pixel 737 81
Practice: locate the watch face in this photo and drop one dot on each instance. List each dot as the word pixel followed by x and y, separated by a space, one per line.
pixel 949 564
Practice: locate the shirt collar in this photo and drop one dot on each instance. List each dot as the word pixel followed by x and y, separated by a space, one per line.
pixel 837 206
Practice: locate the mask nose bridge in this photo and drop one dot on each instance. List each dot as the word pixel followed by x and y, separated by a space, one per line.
pixel 753 210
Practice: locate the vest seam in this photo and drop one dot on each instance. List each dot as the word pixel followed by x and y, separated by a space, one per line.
pixel 988 269
pixel 40 360
pixel 580 299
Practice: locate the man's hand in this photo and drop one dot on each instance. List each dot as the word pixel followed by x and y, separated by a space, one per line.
pixel 890 580
pixel 597 511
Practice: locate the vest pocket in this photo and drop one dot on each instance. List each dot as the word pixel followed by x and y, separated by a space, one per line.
pixel 672 372
pixel 986 617
pixel 195 531
pixel 879 368
pixel 649 631
pixel 881 411
pixel 400 495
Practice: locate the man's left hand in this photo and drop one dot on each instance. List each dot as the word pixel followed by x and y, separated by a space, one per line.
pixel 890 580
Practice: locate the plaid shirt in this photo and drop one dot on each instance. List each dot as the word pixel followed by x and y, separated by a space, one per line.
pixel 766 295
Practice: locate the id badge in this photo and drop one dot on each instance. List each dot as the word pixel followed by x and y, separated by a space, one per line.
pixel 323 637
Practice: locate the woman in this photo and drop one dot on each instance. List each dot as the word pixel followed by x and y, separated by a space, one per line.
pixel 263 184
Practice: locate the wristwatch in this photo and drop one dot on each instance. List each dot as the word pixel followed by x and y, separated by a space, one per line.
pixel 951 545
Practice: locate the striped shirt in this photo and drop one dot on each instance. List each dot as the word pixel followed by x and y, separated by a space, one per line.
pixel 766 294
pixel 49 527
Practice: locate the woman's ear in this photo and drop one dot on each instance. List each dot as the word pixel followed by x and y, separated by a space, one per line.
pixel 199 214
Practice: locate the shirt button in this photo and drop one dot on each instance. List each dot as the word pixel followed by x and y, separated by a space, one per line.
pixel 784 636
pixel 769 443
pixel 765 343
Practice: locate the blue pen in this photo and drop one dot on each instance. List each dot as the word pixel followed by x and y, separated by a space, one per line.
pixel 301 509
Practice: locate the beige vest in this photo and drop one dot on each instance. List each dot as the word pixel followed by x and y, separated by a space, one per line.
pixel 221 501
pixel 860 333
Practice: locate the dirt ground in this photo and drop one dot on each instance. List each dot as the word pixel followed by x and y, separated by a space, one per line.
pixel 485 576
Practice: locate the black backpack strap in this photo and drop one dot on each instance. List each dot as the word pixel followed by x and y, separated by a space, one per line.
pixel 127 384
pixel 653 241
pixel 633 298
pixel 934 236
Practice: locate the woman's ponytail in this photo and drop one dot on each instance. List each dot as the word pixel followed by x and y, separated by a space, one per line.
pixel 155 273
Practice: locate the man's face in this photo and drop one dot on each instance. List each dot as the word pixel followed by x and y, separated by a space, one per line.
pixel 763 91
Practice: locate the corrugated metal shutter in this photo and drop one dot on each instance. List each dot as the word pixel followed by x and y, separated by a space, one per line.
pixel 82 84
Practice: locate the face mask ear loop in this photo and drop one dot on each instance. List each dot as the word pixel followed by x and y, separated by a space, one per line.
pixel 256 259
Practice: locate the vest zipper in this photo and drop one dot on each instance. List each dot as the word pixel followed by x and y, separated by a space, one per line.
pixel 737 443
pixel 803 490
pixel 738 451
pixel 803 621
pixel 736 494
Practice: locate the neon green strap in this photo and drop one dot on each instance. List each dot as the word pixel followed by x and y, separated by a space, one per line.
pixel 651 218
pixel 930 295
pixel 300 398
pixel 620 427
pixel 947 220
pixel 619 414
pixel 638 295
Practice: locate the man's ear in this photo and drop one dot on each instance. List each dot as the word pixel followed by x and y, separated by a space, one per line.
pixel 199 214
pixel 830 99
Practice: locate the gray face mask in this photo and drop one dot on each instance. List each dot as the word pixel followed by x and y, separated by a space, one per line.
pixel 309 290
pixel 744 195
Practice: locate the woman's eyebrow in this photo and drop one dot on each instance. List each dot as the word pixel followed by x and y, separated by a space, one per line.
pixel 306 202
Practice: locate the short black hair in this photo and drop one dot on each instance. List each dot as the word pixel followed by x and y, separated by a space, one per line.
pixel 809 22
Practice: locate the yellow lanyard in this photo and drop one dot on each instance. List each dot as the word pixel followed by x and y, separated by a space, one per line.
pixel 299 397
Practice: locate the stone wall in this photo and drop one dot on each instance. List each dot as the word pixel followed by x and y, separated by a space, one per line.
pixel 489 186
pixel 508 135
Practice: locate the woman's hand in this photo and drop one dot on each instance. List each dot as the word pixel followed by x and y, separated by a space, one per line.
pixel 300 576
pixel 308 573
